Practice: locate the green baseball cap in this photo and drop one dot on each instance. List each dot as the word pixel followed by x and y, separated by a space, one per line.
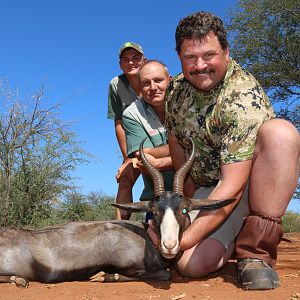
pixel 135 46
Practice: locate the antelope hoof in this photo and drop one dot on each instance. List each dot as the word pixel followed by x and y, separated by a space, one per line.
pixel 104 277
pixel 19 281
pixel 99 277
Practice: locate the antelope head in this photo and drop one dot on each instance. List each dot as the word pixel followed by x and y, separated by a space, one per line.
pixel 170 208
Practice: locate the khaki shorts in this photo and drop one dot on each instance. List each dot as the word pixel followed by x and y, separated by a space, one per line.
pixel 229 230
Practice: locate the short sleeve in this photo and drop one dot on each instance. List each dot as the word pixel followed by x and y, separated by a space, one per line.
pixel 241 120
pixel 173 104
pixel 135 133
pixel 114 104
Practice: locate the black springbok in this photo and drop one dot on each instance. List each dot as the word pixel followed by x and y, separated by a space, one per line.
pixel 108 250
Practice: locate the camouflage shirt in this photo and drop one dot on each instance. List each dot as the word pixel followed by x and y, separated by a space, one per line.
pixel 223 122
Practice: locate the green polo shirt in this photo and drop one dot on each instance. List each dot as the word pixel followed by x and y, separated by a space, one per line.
pixel 120 96
pixel 140 121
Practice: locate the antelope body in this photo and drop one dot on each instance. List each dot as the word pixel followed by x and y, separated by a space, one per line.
pixel 76 251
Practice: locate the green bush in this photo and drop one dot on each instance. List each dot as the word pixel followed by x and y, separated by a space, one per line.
pixel 291 222
pixel 103 210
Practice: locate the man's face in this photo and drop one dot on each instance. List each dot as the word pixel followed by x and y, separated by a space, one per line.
pixel 131 61
pixel 154 81
pixel 204 63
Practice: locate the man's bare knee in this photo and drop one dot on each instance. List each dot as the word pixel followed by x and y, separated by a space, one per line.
pixel 192 271
pixel 278 132
pixel 126 182
pixel 128 178
pixel 204 260
pixel 130 174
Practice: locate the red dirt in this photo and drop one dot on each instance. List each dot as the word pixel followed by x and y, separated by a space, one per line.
pixel 221 285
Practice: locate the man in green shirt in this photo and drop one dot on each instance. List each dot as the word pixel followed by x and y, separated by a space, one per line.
pixel 123 90
pixel 145 119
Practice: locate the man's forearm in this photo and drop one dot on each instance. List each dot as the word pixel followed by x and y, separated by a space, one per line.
pixel 231 185
pixel 163 163
pixel 176 152
pixel 158 152
pixel 208 221
pixel 202 226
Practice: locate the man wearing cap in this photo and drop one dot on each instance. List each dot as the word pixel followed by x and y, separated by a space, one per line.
pixel 123 90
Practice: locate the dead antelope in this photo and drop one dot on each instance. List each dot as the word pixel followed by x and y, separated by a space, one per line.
pixel 123 249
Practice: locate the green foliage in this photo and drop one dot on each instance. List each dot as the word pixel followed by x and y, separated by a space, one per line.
pixel 93 207
pixel 291 222
pixel 103 210
pixel 37 153
pixel 266 41
pixel 75 206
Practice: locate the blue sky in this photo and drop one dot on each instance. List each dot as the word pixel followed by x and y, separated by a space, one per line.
pixel 71 48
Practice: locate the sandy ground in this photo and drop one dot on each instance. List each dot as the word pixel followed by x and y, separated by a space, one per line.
pixel 221 285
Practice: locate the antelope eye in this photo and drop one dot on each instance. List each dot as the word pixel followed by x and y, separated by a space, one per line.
pixel 184 211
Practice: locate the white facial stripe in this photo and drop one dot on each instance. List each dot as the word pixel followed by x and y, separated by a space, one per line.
pixel 169 230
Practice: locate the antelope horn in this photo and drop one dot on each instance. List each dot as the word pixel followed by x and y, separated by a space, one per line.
pixel 157 178
pixel 182 171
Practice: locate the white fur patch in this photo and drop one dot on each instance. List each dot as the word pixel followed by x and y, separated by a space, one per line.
pixel 169 233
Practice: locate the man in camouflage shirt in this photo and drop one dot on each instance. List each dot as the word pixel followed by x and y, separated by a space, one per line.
pixel 222 122
pixel 239 143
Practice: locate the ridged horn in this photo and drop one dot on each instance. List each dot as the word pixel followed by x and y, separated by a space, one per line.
pixel 181 173
pixel 157 178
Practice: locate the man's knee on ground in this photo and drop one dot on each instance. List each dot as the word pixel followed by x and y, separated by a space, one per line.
pixel 206 258
pixel 196 270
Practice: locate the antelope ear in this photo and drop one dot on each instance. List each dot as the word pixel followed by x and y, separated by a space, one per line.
pixel 209 204
pixel 142 206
